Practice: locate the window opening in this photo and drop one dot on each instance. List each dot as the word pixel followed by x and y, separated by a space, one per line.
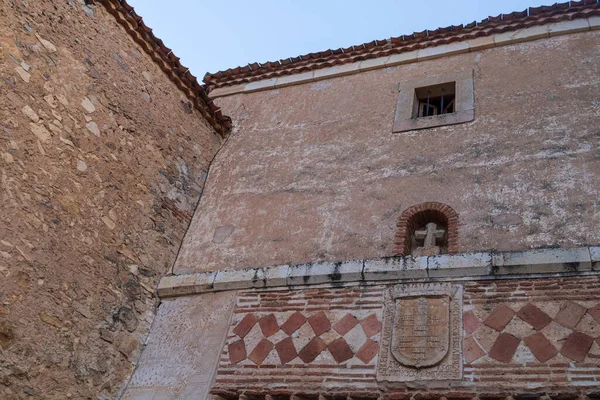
pixel 435 100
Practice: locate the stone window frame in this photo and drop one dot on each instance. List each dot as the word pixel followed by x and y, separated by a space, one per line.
pixel 407 224
pixel 464 111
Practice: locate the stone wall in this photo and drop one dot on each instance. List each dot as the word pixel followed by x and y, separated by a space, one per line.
pixel 102 162
pixel 314 172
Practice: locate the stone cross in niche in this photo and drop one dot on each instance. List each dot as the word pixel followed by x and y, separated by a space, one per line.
pixel 429 236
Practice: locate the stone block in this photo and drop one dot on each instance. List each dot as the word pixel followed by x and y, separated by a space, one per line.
pixel 340 350
pixel 227 90
pixel 577 346
pixel 442 50
pixel 595 313
pixel 332 273
pixel 540 346
pixel 371 325
pixel 471 350
pixel 170 359
pixel 368 351
pixel 237 351
pixel 373 63
pixel 570 314
pixel 345 324
pixel 594 22
pixel 276 276
pixel 521 35
pixel 575 25
pixel 293 323
pixel 595 258
pixel 481 43
pixel 504 347
pixel 470 322
pixel 534 316
pixel 542 261
pixel 338 70
pixel 319 323
pixel 261 351
pixel 260 85
pixel 395 268
pixel 402 58
pixel 268 325
pixel 500 317
pixel 294 79
pixel 245 325
pixel 180 285
pixel 312 349
pixel 286 350
pixel 459 265
pixel 239 279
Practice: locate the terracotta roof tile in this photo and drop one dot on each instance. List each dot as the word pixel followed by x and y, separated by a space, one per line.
pixel 532 16
pixel 164 57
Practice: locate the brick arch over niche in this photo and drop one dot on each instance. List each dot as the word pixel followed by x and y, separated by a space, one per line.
pixel 416 216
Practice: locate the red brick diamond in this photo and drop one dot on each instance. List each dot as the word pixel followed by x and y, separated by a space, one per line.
pixel 540 346
pixel 471 350
pixel 595 312
pixel 569 314
pixel 245 325
pixel 368 351
pixel 261 351
pixel 237 351
pixel 500 317
pixel 319 323
pixel 577 346
pixel 312 349
pixel 293 323
pixel 345 324
pixel 340 350
pixel 470 322
pixel 371 325
pixel 286 350
pixel 504 347
pixel 534 316
pixel 268 325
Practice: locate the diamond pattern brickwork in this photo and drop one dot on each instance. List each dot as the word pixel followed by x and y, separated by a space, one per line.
pixel 305 338
pixel 550 331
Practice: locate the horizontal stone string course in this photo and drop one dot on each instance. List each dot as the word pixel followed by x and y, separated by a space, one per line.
pixel 483 265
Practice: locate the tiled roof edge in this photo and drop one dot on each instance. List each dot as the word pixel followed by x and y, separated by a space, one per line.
pixel 168 62
pixel 532 16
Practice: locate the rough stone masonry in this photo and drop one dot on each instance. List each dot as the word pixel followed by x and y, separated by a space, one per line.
pixel 102 162
pixel 289 282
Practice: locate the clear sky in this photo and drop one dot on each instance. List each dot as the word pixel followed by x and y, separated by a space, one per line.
pixel 215 35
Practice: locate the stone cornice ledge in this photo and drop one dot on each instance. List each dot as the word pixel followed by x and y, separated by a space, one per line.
pixel 470 45
pixel 466 266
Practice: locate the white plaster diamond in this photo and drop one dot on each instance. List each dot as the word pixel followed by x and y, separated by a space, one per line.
pixel 253 337
pixel 302 336
pixel 356 337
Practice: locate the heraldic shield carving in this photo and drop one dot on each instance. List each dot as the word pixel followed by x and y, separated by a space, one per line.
pixel 421 335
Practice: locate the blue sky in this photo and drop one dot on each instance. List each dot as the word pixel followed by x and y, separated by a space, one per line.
pixel 210 36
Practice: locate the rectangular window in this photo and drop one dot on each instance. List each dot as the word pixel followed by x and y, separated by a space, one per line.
pixel 434 100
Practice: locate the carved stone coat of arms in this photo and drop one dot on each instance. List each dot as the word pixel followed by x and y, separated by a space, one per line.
pixel 421 336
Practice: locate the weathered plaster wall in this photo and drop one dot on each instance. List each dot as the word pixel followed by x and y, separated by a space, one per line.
pixel 183 349
pixel 314 172
pixel 102 162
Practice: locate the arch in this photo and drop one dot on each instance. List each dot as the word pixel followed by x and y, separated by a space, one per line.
pixel 418 215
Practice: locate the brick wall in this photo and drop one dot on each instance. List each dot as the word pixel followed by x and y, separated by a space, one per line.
pixel 102 162
pixel 520 336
